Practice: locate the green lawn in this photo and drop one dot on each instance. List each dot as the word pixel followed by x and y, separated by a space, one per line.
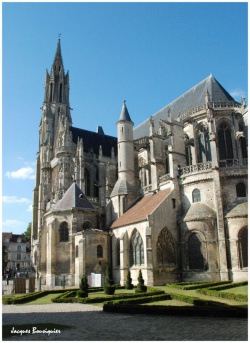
pixel 237 290
pixel 193 293
pixel 43 300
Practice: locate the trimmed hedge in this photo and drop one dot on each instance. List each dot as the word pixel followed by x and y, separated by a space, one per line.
pixel 27 297
pixel 105 298
pixel 226 295
pixel 188 286
pixel 227 286
pixel 139 300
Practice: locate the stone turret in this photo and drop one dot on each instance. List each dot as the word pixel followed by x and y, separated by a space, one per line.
pixel 126 187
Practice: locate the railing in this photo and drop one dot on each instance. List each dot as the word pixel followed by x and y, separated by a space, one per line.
pixel 234 163
pixel 215 104
pixel 164 178
pixel 196 168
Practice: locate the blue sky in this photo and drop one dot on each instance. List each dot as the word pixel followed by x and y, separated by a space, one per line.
pixel 146 53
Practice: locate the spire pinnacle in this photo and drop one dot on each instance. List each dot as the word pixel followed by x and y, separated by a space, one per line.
pixel 124 113
pixel 58 61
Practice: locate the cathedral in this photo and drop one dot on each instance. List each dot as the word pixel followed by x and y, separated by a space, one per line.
pixel 168 197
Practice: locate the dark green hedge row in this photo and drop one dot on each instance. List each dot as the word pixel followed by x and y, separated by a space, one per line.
pixel 191 286
pixel 226 295
pixel 102 299
pixel 227 286
pixel 177 310
pixel 27 297
pixel 140 300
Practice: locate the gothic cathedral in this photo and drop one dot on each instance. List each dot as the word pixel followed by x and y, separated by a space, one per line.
pixel 168 197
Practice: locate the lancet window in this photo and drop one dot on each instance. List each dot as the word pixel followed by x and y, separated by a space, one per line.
pixel 136 249
pixel 165 249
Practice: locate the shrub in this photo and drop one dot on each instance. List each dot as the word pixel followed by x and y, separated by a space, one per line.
pixel 84 287
pixel 140 286
pixel 109 287
pixel 129 284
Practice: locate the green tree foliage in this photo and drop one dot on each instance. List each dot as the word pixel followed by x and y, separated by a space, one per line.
pixel 140 286
pixel 129 284
pixel 109 287
pixel 4 258
pixel 83 288
pixel 27 233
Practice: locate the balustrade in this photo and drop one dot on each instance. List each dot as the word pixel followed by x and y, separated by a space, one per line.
pixel 196 168
pixel 233 163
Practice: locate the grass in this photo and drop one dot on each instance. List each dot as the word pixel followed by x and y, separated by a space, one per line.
pixel 29 329
pixel 237 290
pixel 43 300
pixel 193 293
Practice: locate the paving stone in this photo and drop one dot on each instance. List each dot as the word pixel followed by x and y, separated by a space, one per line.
pixel 90 323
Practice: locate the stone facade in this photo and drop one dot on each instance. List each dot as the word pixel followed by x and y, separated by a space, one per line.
pixel 168 197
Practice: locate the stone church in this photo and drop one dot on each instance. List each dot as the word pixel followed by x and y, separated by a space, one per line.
pixel 168 197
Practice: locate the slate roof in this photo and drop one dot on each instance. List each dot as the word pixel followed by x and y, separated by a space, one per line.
pixel 13 237
pixel 93 140
pixel 192 98
pixel 237 210
pixel 124 116
pixel 141 210
pixel 74 198
pixel 198 211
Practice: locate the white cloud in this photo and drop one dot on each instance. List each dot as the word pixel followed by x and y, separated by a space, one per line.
pixel 237 93
pixel 29 209
pixel 22 173
pixel 12 223
pixel 14 199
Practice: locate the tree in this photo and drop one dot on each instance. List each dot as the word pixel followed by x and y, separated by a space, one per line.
pixel 4 259
pixel 109 287
pixel 129 284
pixel 27 233
pixel 83 288
pixel 140 286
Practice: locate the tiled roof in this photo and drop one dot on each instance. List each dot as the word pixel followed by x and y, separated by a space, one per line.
pixel 192 98
pixel 142 209
pixel 74 198
pixel 93 140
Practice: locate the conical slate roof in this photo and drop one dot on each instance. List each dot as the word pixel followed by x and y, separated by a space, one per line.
pixel 124 113
pixel 74 198
pixel 192 98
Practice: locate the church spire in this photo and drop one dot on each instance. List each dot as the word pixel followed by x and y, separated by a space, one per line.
pixel 58 61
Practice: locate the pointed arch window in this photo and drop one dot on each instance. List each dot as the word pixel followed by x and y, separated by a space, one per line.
pixel 64 232
pixel 225 141
pixel 35 258
pixel 204 152
pixel 165 247
pixel 96 182
pixel 196 195
pixel 241 190
pixel 87 181
pixel 195 252
pixel 243 247
pixel 118 251
pixel 51 92
pixel 76 251
pixel 136 249
pixel 243 147
pixel 60 93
